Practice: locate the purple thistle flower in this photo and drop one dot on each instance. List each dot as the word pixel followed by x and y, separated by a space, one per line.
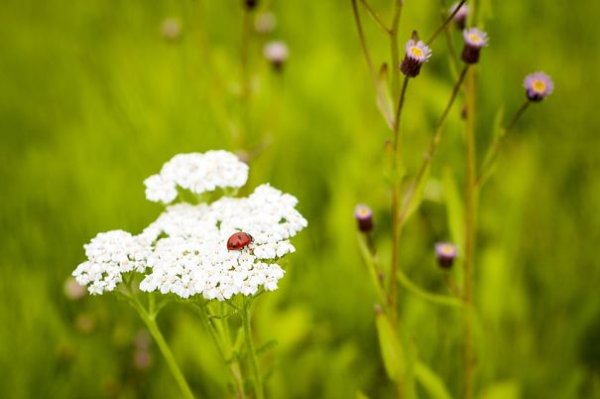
pixel 417 53
pixel 445 253
pixel 460 18
pixel 538 86
pixel 475 40
pixel 364 217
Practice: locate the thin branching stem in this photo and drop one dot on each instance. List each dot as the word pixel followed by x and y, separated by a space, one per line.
pixel 488 163
pixel 445 23
pixel 394 47
pixel 370 257
pixel 433 145
pixel 436 299
pixel 395 257
pixel 375 16
pixel 363 43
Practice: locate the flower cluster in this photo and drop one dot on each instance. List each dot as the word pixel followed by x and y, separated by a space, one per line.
pixel 110 255
pixel 198 173
pixel 185 252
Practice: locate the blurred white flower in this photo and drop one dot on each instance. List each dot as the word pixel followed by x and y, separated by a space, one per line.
pixel 110 254
pixel 265 22
pixel 198 173
pixel 276 52
pixel 171 29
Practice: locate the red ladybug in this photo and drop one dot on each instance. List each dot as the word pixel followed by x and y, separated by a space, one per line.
pixel 239 241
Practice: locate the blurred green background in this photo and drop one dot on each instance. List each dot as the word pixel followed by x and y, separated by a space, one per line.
pixel 93 99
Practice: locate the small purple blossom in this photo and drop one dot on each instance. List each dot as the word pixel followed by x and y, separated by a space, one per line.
pixel 475 40
pixel 364 217
pixel 446 254
pixel 277 53
pixel 538 86
pixel 460 18
pixel 417 53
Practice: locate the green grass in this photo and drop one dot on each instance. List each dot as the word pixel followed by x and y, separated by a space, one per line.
pixel 93 100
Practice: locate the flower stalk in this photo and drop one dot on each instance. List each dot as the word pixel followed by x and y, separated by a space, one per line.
pixel 257 377
pixel 471 201
pixel 149 319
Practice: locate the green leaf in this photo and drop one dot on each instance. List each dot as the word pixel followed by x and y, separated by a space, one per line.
pixel 454 208
pixel 431 382
pixel 384 97
pixel 266 347
pixel 360 395
pixel 391 349
pixel 503 390
pixel 414 195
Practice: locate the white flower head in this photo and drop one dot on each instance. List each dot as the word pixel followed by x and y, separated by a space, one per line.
pixel 198 173
pixel 186 251
pixel 190 254
pixel 110 255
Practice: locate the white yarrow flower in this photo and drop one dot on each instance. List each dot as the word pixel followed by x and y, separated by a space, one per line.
pixel 190 255
pixel 198 173
pixel 110 255
pixel 185 251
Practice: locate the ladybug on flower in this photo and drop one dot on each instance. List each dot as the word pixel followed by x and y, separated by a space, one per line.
pixel 239 241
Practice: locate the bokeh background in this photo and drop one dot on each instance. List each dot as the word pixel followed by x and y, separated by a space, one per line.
pixel 94 98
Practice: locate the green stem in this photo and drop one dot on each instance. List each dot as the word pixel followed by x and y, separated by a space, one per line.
pixel 370 258
pixel 224 347
pixel 454 62
pixel 396 227
pixel 258 385
pixel 363 43
pixel 393 31
pixel 437 299
pixel 435 141
pixel 149 320
pixel 471 199
pixel 445 23
pixel 375 16
pixel 243 138
pixel 492 154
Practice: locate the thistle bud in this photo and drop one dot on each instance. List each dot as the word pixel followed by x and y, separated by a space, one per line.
pixel 445 254
pixel 251 4
pixel 416 54
pixel 364 218
pixel 538 86
pixel 475 40
pixel 460 18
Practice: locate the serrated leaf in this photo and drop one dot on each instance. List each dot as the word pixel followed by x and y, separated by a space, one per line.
pixel 431 382
pixel 385 103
